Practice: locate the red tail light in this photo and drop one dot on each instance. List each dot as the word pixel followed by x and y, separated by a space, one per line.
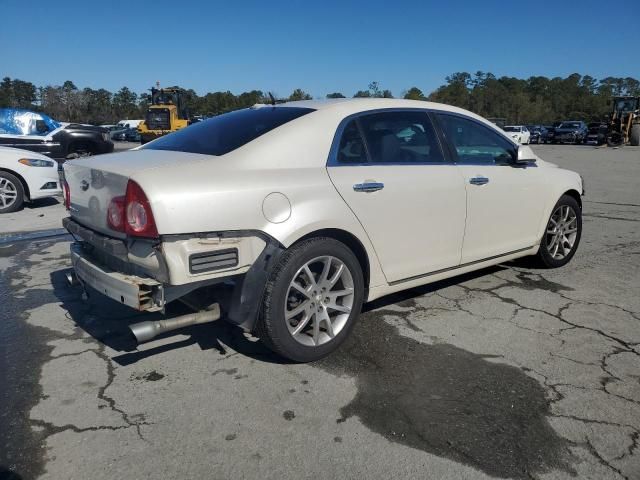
pixel 132 213
pixel 139 221
pixel 116 214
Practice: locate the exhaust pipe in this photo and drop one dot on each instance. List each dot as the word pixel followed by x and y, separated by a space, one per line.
pixel 145 331
pixel 72 280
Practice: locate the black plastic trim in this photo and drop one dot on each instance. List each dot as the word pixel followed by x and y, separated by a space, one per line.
pixel 213 254
pixel 249 288
pixel 112 246
pixel 468 264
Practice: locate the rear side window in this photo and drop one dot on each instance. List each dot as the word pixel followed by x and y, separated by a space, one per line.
pixel 401 137
pixel 352 149
pixel 398 137
pixel 226 132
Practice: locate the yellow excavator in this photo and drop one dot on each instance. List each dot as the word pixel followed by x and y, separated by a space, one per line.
pixel 624 122
pixel 166 114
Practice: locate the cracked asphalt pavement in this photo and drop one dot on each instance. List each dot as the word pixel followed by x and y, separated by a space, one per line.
pixel 509 372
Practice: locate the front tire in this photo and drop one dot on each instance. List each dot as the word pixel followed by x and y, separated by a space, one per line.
pixel 11 193
pixel 562 234
pixel 312 300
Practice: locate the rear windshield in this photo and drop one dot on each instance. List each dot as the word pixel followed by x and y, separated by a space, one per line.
pixel 226 132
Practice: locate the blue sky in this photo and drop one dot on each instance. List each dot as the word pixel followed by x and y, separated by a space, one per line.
pixel 320 47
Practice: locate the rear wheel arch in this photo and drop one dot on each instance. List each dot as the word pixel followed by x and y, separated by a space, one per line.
pixel 25 186
pixel 351 241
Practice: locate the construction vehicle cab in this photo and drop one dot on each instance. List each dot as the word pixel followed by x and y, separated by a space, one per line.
pixel 624 122
pixel 167 113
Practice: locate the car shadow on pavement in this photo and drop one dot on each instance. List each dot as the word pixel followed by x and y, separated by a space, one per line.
pixel 8 474
pixel 42 202
pixel 107 321
pixel 412 293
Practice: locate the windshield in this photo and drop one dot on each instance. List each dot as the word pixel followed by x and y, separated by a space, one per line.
pixel 569 125
pixel 511 129
pixel 224 133
pixel 626 105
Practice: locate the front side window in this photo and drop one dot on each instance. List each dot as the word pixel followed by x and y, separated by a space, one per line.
pixel 475 143
pixel 400 137
pixel 226 132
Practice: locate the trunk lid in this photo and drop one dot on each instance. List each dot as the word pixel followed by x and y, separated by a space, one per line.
pixel 91 192
pixel 95 181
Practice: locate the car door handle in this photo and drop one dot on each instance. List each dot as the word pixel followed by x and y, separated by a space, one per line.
pixel 479 181
pixel 368 187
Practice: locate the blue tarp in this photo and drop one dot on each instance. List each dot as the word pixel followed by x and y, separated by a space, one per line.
pixel 16 121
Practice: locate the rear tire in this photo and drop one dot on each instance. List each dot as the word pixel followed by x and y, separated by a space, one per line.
pixel 319 334
pixel 615 139
pixel 634 137
pixel 562 234
pixel 11 193
pixel 81 149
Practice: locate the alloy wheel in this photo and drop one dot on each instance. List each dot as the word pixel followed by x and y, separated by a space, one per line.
pixel 319 301
pixel 8 193
pixel 562 231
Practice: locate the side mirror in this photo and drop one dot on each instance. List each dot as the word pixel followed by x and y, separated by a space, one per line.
pixel 525 156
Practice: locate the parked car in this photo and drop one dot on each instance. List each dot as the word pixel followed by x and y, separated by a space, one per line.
pixel 287 218
pixel 119 135
pixel 132 135
pixel 597 134
pixel 519 133
pixel 129 123
pixel 573 131
pixel 25 176
pixel 539 134
pixel 551 133
pixel 40 133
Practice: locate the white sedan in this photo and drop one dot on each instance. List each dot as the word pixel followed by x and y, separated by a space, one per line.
pixel 288 217
pixel 519 133
pixel 25 176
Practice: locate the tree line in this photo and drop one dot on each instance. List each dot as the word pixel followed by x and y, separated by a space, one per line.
pixel 534 100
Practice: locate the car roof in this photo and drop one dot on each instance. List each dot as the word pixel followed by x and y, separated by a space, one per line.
pixel 347 106
pixel 363 104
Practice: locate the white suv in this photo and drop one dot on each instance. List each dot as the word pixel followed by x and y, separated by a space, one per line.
pixel 288 217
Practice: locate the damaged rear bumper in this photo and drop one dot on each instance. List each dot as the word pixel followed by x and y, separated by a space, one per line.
pixel 237 280
pixel 143 294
